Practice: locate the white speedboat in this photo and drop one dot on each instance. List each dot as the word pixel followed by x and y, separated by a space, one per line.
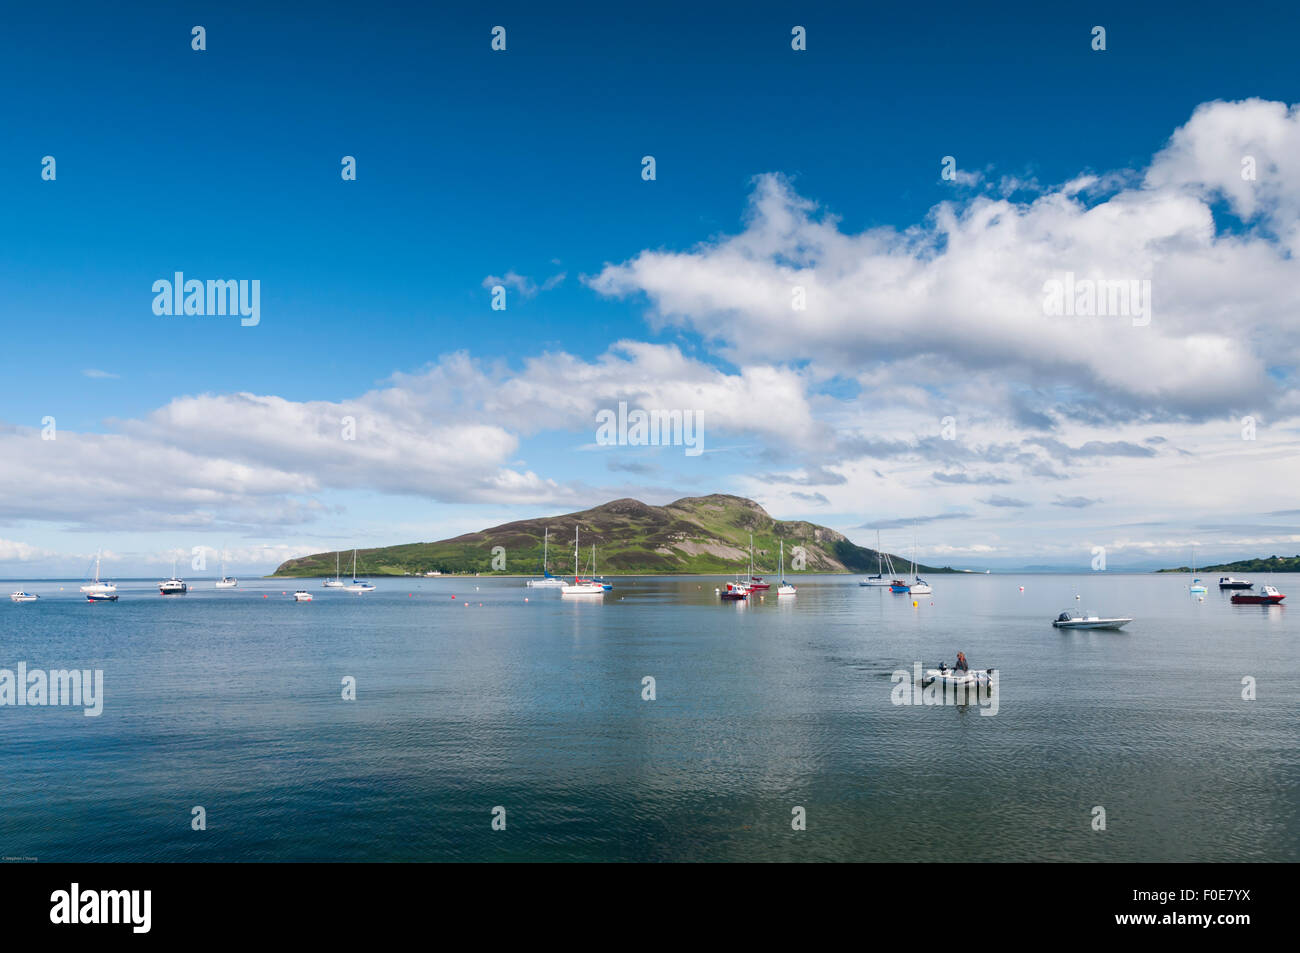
pixel 1228 582
pixel 95 587
pixel 302 595
pixel 101 597
pixel 21 596
pixel 1077 620
pixel 971 678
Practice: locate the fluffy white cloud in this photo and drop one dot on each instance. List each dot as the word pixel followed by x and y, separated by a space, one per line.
pixel 965 290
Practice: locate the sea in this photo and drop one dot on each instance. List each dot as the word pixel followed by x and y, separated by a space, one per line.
pixel 475 719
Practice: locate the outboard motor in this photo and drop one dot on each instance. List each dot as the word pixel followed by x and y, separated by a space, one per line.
pixel 1063 617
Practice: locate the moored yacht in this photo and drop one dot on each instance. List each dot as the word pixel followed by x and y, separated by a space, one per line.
pixel 302 595
pixel 1268 596
pixel 95 587
pixel 878 580
pixel 21 596
pixel 225 582
pixel 357 585
pixel 580 586
pixel 336 582
pixel 547 581
pixel 1228 582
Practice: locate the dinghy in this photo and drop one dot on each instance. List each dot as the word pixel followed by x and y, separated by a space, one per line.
pixel 955 677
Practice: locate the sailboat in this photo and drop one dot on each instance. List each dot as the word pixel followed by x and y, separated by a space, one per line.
pixel 756 583
pixel 598 579
pixel 336 582
pixel 580 586
pixel 1196 586
pixel 547 581
pixel 358 585
pixel 97 588
pixel 785 589
pixel 919 586
pixel 226 582
pixel 878 580
pixel 173 586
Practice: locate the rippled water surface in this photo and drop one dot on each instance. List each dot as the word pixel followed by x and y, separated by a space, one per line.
pixel 532 701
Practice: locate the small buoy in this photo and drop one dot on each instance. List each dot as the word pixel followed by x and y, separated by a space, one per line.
pixel 525 598
pixel 453 597
pixel 263 596
pixel 1077 598
pixel 915 603
pixel 1022 588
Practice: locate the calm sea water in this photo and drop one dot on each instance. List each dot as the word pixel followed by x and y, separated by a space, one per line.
pixel 505 696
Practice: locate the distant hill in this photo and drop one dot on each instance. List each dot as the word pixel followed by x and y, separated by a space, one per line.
pixel 1263 564
pixel 705 534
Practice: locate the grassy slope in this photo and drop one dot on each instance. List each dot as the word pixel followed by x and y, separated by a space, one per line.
pixel 1263 564
pixel 631 537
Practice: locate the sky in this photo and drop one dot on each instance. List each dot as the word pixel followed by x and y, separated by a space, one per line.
pixel 841 268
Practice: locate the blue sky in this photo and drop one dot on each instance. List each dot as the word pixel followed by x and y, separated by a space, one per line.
pixel 471 163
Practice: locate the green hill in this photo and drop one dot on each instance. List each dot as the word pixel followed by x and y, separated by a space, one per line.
pixel 707 534
pixel 1263 564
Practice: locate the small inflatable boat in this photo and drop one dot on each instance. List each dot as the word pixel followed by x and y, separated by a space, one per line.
pixel 952 676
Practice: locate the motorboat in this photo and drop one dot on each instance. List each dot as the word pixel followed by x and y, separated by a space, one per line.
pixel 1077 620
pixel 970 678
pixel 95 586
pixel 173 586
pixel 1268 596
pixel 580 586
pixel 547 581
pixel 21 596
pixel 898 585
pixel 1228 582
pixel 101 597
pixel 734 591
pixel 302 595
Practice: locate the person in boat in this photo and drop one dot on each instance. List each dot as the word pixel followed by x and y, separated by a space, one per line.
pixel 961 665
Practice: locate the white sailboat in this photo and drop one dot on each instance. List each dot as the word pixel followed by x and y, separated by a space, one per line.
pixel 580 586
pixel 785 589
pixel 919 586
pixel 226 582
pixel 97 588
pixel 878 580
pixel 547 581
pixel 1196 586
pixel 358 585
pixel 336 582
